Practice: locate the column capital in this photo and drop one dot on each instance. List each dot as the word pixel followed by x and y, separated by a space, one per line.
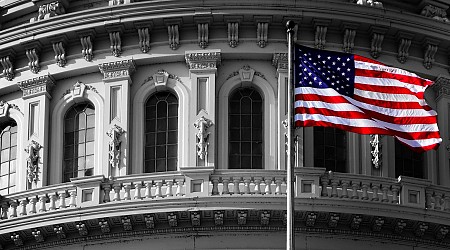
pixel 203 59
pixel 37 86
pixel 441 87
pixel 280 61
pixel 117 70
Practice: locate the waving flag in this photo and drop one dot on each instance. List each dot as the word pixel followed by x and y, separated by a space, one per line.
pixel 361 95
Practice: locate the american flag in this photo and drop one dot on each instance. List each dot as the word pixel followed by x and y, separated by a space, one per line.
pixel 361 95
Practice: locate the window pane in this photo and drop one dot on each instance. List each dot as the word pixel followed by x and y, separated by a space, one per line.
pixel 81 163
pixel 69 138
pixel 172 137
pixel 6 140
pixel 68 125
pixel 90 134
pixel 330 149
pixel 161 165
pixel 69 152
pixel 4 168
pixel 89 148
pixel 12 166
pixel 161 124
pixel 161 109
pixel 150 139
pixel 172 151
pixel 150 167
pixel 173 123
pixel 4 155
pixel 13 153
pixel 90 121
pixel 172 164
pixel 81 121
pixel 161 138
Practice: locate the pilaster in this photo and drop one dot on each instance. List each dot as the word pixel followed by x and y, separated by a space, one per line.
pixel 117 79
pixel 202 66
pixel 441 89
pixel 36 96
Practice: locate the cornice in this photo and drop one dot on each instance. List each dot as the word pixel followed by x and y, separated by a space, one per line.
pixel 37 86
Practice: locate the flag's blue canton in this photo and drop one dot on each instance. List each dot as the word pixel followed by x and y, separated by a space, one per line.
pixel 324 69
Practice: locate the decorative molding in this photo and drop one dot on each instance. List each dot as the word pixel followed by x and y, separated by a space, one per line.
pixel 48 10
pixel 333 220
pixel 78 90
pixel 375 143
pixel 32 51
pixel 172 219
pixel 203 35
pixel 262 32
pixel 37 86
pixel 202 124
pixel 203 60
pixel 218 218
pixel 280 61
pixel 435 12
pixel 442 233
pixel 246 73
pixel 233 34
pixel 430 49
pixel 149 221
pixel 82 229
pixel 349 40
pixel 126 222
pixel 119 2
pixel 321 28
pixel 144 29
pixel 422 227
pixel 104 225
pixel 400 226
pixel 115 32
pixel 32 161
pixel 264 218
pixel 370 3
pixel 59 44
pixel 86 39
pixel 4 108
pixel 117 69
pixel 376 42
pixel 441 87
pixel 172 31
pixel 311 218
pixel 115 132
pixel 59 231
pixel 378 224
pixel 242 217
pixel 356 222
pixel 15 237
pixel 195 218
pixel 8 67
pixel 37 234
pixel 159 78
pixel 404 43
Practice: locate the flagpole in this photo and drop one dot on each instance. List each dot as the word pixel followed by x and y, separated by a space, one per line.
pixel 290 237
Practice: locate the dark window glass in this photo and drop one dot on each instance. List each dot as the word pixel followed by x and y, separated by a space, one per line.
pixel 330 149
pixel 245 129
pixel 408 162
pixel 161 131
pixel 79 133
pixel 8 155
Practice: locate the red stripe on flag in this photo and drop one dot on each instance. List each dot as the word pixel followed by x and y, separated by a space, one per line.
pixel 365 59
pixel 388 89
pixel 387 75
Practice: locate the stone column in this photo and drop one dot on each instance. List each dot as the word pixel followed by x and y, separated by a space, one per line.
pixel 36 96
pixel 202 114
pixel 441 88
pixel 117 79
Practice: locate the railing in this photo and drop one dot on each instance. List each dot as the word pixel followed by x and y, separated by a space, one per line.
pixel 310 183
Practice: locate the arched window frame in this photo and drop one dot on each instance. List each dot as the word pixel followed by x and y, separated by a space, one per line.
pixel 61 107
pixel 21 172
pixel 143 93
pixel 269 108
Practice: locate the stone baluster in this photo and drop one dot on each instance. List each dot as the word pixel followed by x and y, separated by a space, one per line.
pixel 33 201
pixel 137 191
pixel 365 188
pixel 169 191
pixel 73 198
pixel 437 200
pixel 395 190
pixel 158 192
pixel 278 182
pixel 106 191
pixel 13 209
pixel 127 194
pixel 62 199
pixel 334 185
pixel 267 188
pixel 324 182
pixel 446 202
pixel 53 198
pixel 148 189
pixel 247 180
pixel 385 190
pixel 23 207
pixel 215 183
pixel 257 181
pixel 116 187
pixel 42 206
pixel 4 210
pixel 236 182
pixel 428 197
pixel 180 184
pixel 225 181
pixel 345 185
pixel 355 187
pixel 375 188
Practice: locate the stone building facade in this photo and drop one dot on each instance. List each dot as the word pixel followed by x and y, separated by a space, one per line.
pixel 159 124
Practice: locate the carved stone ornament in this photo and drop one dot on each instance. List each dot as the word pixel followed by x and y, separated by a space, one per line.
pixel 441 87
pixel 8 67
pixel 37 86
pixel 430 49
pixel 149 221
pixel 87 41
pixel 32 161
pixel 378 224
pixel 115 39
pixel 370 3
pixel 422 227
pixel 33 59
pixel 159 78
pixel 37 234
pixel 242 217
pixel 349 40
pixel 203 59
pixel 435 13
pixel 144 29
pixel 119 2
pixel 280 61
pixel 15 237
pixel 265 218
pixel 403 49
pixel 311 218
pixel 262 32
pixel 60 234
pixel 104 226
pixel 126 222
pixel 400 226
pixel 356 222
pixel 195 219
pixel 4 108
pixel 174 36
pixel 49 10
pixel 78 90
pixel 233 34
pixel 202 124
pixel 203 35
pixel 246 73
pixel 334 220
pixel 82 229
pixel 114 133
pixel 375 151
pixel 172 219
pixel 117 69
pixel 442 233
pixel 218 218
pixel 377 37
pixel 320 36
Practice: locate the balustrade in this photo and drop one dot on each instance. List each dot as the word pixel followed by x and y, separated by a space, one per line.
pixel 437 198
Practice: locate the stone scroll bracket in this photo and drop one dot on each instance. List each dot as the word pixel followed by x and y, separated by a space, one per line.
pixel 262 30
pixel 349 34
pixel 203 24
pixel 32 51
pixel 233 23
pixel 173 26
pixel 7 58
pixel 430 47
pixel 115 38
pixel 376 40
pixel 87 43
pixel 59 44
pixel 144 29
pixel 404 41
pixel 320 32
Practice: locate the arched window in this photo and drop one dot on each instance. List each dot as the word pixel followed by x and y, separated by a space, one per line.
pixel 330 149
pixel 161 132
pixel 408 162
pixel 79 136
pixel 8 155
pixel 245 143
